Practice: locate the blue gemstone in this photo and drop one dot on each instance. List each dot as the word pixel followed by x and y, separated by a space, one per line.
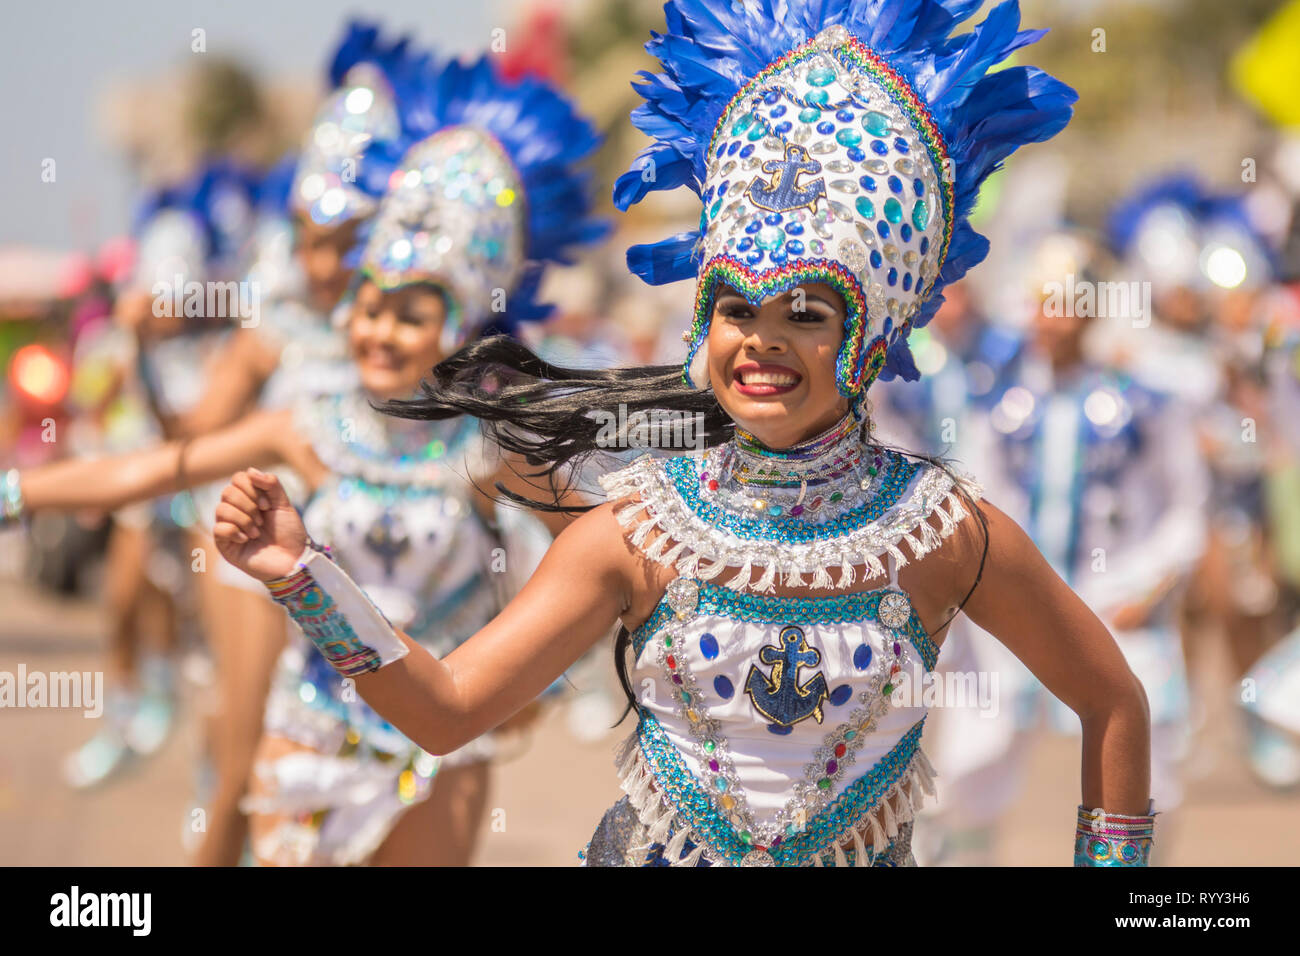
pixel 900 144
pixel 773 96
pixel 745 244
pixel 779 730
pixel 747 151
pixel 882 229
pixel 907 282
pixel 773 218
pixel 755 257
pixel 784 127
pixel 868 184
pixel 845 116
pixel 840 694
pixel 892 277
pixel 862 657
pixel 826 127
pixel 794 228
pixel 856 155
pixel 723 687
pixel 895 185
pixel 735 145
pixel 876 258
pixel 879 147
pixel 918 187
pixel 794 247
pixel 709 646
pixel 753 226
pixel 722 148
pixel 905 233
pixel 925 244
pixel 888 326
pixel 778 256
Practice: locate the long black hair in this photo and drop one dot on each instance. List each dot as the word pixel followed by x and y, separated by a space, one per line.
pixel 551 416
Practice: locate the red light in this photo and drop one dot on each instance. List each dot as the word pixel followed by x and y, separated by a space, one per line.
pixel 39 374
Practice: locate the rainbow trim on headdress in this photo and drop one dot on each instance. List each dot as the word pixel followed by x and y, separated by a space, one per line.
pixel 715 53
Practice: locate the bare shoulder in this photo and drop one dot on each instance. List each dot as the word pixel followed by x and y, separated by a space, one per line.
pixel 598 542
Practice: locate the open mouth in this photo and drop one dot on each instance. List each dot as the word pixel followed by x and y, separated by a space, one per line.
pixel 754 379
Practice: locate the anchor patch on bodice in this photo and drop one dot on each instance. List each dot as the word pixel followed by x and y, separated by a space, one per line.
pixel 779 696
pixel 388 540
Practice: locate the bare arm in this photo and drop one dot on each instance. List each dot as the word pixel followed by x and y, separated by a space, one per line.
pixel 108 483
pixel 1024 604
pixel 238 375
pixel 574 598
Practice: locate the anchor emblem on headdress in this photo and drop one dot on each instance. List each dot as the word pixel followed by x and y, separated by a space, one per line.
pixel 779 696
pixel 784 192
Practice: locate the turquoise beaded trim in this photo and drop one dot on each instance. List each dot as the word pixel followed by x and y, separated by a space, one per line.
pixel 722 601
pixel 684 472
pixel 694 805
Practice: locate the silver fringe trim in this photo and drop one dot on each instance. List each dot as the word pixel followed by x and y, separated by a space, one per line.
pixel 657 517
pixel 899 805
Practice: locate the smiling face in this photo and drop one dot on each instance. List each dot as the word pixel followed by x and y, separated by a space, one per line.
pixel 772 367
pixel 395 337
pixel 320 251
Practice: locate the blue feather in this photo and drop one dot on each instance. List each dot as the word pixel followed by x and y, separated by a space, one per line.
pixel 712 48
pixel 668 260
pixel 548 144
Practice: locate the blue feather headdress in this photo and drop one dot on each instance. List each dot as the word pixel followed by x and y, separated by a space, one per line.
pixel 838 141
pixel 368 77
pixel 198 229
pixel 1179 233
pixel 484 187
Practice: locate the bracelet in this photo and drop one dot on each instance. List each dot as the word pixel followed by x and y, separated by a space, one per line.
pixel 1113 839
pixel 335 614
pixel 11 497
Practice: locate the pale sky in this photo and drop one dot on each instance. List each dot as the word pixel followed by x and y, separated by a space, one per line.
pixel 57 55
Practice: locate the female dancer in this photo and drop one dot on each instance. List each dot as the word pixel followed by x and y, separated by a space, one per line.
pixel 488 192
pixel 290 349
pixel 190 232
pixel 837 147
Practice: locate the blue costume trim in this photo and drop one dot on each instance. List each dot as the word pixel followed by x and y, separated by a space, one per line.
pixel 685 475
pixel 695 806
pixel 720 601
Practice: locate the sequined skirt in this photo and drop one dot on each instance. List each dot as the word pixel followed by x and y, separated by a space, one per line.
pixel 622 839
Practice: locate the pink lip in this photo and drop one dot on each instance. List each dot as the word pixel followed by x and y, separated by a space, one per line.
pixel 756 390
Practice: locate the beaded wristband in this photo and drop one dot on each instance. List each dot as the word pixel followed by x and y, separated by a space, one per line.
pixel 1113 839
pixel 337 616
pixel 11 497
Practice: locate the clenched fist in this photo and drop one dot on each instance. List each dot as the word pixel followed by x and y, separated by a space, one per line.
pixel 257 528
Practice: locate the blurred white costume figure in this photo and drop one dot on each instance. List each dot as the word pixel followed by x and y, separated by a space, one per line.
pixel 481 188
pixel 965 361
pixel 189 237
pixel 1106 477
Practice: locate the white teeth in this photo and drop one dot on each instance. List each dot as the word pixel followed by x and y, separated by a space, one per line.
pixel 767 378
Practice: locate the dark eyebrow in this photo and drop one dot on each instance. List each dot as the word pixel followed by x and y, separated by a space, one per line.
pixel 811 297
